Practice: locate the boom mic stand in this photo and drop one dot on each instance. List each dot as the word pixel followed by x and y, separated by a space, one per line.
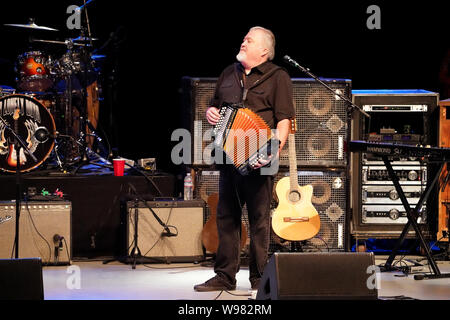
pixel 350 105
pixel 306 70
pixel 18 144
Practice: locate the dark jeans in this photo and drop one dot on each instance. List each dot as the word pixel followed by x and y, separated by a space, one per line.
pixel 235 190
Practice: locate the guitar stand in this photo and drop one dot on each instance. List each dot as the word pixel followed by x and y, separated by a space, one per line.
pixel 297 246
pixel 412 215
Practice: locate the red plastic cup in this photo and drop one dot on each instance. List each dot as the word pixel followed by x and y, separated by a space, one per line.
pixel 119 165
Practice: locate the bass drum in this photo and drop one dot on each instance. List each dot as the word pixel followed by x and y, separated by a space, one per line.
pixel 33 123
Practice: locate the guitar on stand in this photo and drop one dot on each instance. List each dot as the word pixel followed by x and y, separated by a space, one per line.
pixel 295 218
pixel 210 236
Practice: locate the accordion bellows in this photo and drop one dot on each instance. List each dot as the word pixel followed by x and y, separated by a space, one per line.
pixel 244 137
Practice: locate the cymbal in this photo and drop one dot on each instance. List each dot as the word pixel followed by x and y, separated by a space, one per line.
pixel 32 26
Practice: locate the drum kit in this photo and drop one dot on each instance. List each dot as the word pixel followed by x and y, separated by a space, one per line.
pixel 55 107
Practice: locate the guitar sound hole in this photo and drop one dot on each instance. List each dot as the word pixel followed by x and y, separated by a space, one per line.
pixel 294 196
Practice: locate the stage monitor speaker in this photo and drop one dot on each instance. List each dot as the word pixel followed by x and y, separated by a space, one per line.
pixel 44 231
pixel 444 191
pixel 321 118
pixel 184 218
pixel 21 279
pixel 314 276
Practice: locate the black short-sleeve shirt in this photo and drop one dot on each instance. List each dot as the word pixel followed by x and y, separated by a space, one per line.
pixel 266 90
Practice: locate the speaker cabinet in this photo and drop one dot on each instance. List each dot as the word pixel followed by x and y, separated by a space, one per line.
pixel 21 279
pixel 336 275
pixel 444 191
pixel 330 198
pixel 321 119
pixel 39 223
pixel 184 218
pixel 322 123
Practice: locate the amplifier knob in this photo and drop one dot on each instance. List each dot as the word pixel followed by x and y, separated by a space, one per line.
pixel 394 214
pixel 393 195
pixel 412 175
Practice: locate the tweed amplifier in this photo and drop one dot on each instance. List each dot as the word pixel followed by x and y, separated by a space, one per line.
pixel 185 220
pixel 44 231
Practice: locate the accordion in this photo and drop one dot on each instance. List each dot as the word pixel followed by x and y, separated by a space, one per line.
pixel 243 136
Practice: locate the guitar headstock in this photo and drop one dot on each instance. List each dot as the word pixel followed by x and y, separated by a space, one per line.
pixel 16 114
pixel 293 128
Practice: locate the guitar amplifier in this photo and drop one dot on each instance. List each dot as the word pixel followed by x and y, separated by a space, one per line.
pixel 41 226
pixel 185 218
pixel 330 198
pixel 321 117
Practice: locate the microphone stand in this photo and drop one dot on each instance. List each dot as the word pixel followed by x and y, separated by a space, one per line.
pixel 18 143
pixel 136 256
pixel 344 98
pixel 306 70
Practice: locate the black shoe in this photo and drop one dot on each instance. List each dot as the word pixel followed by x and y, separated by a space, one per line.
pixel 216 283
pixel 255 283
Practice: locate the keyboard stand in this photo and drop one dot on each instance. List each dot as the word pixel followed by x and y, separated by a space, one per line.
pixel 412 215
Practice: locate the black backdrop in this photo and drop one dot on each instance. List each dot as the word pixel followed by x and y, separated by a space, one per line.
pixel 159 42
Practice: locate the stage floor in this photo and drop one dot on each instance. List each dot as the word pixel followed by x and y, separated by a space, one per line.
pixel 93 280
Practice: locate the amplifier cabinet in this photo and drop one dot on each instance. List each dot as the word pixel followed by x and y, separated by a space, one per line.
pixel 184 218
pixel 321 118
pixel 41 226
pixel 330 198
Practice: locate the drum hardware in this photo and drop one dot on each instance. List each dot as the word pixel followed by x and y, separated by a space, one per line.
pixel 60 42
pixel 86 129
pixel 84 39
pixel 40 80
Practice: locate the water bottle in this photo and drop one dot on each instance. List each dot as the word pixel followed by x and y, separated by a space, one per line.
pixel 188 187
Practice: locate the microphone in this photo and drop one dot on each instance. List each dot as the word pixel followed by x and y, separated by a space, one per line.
pixel 41 134
pixel 57 238
pixel 293 62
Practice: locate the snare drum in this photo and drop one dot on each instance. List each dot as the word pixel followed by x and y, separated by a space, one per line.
pixel 34 71
pixel 33 123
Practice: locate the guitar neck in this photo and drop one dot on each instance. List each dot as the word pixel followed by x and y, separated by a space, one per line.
pixel 292 163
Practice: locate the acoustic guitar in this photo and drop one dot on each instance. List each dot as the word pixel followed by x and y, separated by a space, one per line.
pixel 210 236
pixel 295 218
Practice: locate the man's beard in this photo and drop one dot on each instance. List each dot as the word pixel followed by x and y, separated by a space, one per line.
pixel 241 56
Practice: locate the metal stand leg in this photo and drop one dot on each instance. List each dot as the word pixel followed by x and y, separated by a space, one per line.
pixel 412 215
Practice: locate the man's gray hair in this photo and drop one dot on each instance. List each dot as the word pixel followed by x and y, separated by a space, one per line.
pixel 269 40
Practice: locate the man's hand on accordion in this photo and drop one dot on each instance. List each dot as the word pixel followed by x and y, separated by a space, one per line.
pixel 265 161
pixel 212 115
